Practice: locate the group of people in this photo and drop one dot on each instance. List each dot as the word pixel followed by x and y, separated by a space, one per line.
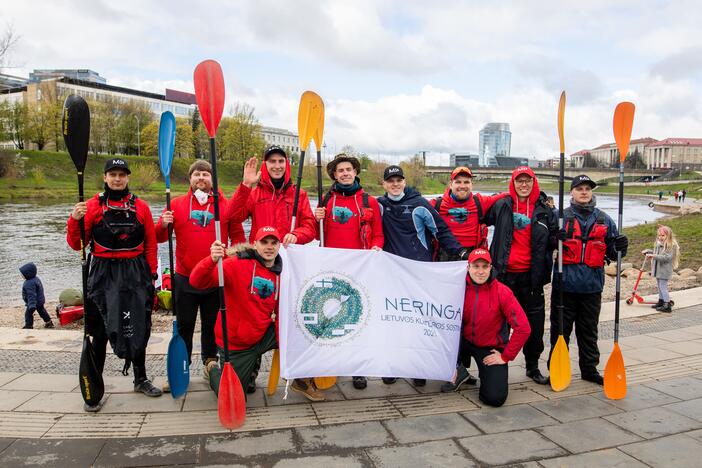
pixel 680 195
pixel 504 281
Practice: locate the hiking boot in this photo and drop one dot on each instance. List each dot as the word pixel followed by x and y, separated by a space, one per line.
pixel 206 368
pixel 49 324
pixel 147 388
pixel 389 380
pixel 307 388
pixel 94 408
pixel 595 378
pixel 536 376
pixel 359 383
pixel 420 382
pixel 26 328
pixel 657 304
pixel 462 376
pixel 665 308
pixel 251 386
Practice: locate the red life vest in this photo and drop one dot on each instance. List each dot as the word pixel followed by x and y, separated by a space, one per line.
pixel 589 248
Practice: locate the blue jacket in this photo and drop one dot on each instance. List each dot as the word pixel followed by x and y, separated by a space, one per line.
pixel 581 278
pixel 32 289
pixel 409 226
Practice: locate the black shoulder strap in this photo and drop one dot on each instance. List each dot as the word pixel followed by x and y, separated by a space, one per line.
pixel 479 207
pixel 569 220
pixel 325 199
pixel 437 203
pixel 364 199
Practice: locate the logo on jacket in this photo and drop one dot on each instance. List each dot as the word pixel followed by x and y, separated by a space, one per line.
pixel 342 214
pixel 202 218
pixel 263 286
pixel 331 308
pixel 459 215
pixel 520 221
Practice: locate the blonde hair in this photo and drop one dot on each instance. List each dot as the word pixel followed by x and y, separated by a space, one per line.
pixel 670 244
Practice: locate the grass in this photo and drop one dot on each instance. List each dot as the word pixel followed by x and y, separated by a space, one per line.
pixel 687 230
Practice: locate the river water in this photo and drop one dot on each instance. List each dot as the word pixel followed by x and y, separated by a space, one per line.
pixel 35 232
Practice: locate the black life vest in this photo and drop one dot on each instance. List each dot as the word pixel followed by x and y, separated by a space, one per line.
pixel 588 248
pixel 119 228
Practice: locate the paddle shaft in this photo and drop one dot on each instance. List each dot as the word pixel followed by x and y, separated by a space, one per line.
pixel 83 260
pixel 170 249
pixel 297 190
pixel 620 217
pixel 319 196
pixel 218 237
pixel 561 176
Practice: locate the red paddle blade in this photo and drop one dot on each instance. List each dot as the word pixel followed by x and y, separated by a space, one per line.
pixel 623 122
pixel 231 404
pixel 209 93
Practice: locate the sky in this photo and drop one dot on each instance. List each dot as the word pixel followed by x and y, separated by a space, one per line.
pixel 397 76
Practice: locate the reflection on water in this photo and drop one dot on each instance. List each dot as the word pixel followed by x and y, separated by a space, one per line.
pixel 34 232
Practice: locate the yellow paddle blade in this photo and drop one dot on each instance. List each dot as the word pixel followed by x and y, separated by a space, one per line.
pixel 324 383
pixel 309 115
pixel 560 366
pixel 623 122
pixel 319 133
pixel 615 375
pixel 561 115
pixel 275 373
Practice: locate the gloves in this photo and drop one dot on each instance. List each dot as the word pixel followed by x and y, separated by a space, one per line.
pixel 561 235
pixel 621 243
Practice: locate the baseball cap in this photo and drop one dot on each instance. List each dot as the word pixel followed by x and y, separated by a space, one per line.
pixel 521 170
pixel 461 170
pixel 582 179
pixel 273 149
pixel 117 163
pixel 479 254
pixel 267 231
pixel 392 171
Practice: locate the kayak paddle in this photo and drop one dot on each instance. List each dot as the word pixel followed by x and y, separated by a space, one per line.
pixel 275 372
pixel 559 366
pixel 177 360
pixel 209 93
pixel 615 373
pixel 76 135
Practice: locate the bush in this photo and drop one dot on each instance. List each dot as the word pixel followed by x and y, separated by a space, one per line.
pixel 11 165
pixel 37 176
pixel 142 176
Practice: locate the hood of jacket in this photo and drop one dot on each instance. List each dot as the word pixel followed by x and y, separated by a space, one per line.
pixel 535 190
pixel 248 252
pixel 28 270
pixel 266 180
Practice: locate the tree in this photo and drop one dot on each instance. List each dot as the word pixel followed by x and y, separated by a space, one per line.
pixel 184 139
pixel 241 135
pixel 634 160
pixel 194 127
pixel 40 124
pixel 589 161
pixel 7 42
pixel 13 117
pixel 414 170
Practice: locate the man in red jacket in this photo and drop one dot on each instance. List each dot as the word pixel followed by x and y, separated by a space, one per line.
pixel 489 310
pixel 352 220
pixel 251 290
pixel 120 231
pixel 192 220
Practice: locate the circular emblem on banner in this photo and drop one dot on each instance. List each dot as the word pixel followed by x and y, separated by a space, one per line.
pixel 331 308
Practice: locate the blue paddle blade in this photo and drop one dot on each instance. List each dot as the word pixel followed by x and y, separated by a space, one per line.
pixel 177 364
pixel 166 144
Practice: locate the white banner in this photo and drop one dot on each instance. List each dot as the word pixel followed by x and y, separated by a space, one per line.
pixel 359 312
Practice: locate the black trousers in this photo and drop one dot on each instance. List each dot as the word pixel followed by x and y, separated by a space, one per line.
pixel 493 379
pixel 583 311
pixel 532 301
pixel 188 300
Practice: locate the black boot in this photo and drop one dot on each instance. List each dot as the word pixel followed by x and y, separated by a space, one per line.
pixel 144 385
pixel 251 387
pixel 536 376
pixel 657 304
pixel 666 307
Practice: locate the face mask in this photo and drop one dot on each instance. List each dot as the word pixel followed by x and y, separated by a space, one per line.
pixel 396 197
pixel 201 196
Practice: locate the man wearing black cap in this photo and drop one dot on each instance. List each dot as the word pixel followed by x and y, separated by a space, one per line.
pixel 589 237
pixel 120 231
pixel 410 224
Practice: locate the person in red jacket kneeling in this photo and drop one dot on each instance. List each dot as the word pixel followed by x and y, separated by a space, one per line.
pixel 489 310
pixel 251 289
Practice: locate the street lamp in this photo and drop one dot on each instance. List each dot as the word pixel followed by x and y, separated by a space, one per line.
pixel 138 136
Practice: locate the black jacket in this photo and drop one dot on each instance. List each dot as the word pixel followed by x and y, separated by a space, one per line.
pixel 544 227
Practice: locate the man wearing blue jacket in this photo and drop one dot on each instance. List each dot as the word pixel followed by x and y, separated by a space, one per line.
pixel 410 224
pixel 590 237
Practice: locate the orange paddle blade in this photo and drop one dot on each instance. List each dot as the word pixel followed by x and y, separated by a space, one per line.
pixel 623 123
pixel 615 375
pixel 309 116
pixel 319 132
pixel 324 383
pixel 561 116
pixel 275 373
pixel 560 366
pixel 231 404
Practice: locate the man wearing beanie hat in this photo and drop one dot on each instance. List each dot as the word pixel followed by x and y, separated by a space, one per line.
pixel 589 237
pixel 522 253
pixel 350 217
pixel 192 219
pixel 486 337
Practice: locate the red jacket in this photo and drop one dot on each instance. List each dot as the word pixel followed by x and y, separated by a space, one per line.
pixel 350 225
pixel 489 310
pixel 519 260
pixel 250 294
pixel 93 216
pixel 462 216
pixel 268 206
pixel 194 229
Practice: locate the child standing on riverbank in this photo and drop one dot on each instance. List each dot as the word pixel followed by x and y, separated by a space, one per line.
pixel 665 257
pixel 33 296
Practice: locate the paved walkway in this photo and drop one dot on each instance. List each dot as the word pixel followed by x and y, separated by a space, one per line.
pixel 658 424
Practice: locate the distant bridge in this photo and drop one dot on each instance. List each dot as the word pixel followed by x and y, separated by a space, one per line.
pixel 595 173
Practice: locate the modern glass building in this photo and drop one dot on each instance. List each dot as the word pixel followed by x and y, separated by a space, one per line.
pixel 495 140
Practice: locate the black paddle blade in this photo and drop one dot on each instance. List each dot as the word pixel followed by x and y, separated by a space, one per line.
pixel 76 129
pixel 92 386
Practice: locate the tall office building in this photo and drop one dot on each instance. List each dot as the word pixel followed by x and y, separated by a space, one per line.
pixel 495 140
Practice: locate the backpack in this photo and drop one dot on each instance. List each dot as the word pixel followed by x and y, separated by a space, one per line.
pixel 365 228
pixel 482 227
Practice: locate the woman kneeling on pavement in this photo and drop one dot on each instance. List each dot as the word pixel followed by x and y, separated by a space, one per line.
pixel 490 309
pixel 251 281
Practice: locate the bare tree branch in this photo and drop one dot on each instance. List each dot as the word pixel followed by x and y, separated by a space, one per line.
pixel 7 41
